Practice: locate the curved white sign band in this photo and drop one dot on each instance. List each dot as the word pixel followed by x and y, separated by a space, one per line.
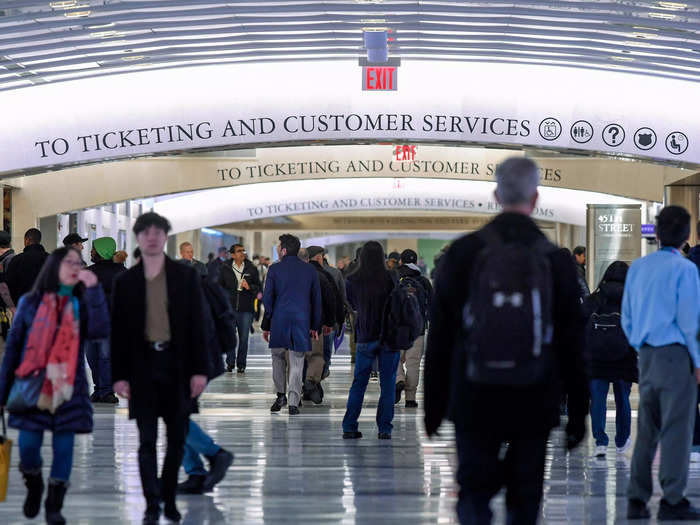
pixel 161 111
pixel 278 199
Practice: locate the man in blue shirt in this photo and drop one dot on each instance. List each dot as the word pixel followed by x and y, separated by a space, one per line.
pixel 661 317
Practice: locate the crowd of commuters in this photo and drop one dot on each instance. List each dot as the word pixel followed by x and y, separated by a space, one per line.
pixel 508 326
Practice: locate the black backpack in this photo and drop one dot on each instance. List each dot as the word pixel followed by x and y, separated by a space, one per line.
pixel 421 293
pixel 222 315
pixel 507 321
pixel 402 321
pixel 605 339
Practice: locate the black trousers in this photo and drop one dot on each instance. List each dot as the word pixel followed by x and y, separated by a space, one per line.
pixel 487 463
pixel 696 430
pixel 176 427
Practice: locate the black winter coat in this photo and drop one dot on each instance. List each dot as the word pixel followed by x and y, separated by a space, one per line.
pixel 243 301
pixel 368 300
pixel 23 270
pixel 329 296
pixel 130 360
pixel 531 411
pixel 106 272
pixel 610 293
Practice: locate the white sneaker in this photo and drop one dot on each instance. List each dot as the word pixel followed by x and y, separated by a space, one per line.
pixel 695 457
pixel 600 451
pixel 624 448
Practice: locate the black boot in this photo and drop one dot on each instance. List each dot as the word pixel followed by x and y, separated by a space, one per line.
pixel 35 488
pixel 193 485
pixel 279 402
pixel 218 467
pixel 54 502
pixel 170 511
pixel 152 514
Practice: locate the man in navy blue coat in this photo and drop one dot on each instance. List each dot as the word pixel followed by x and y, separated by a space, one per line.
pixel 292 300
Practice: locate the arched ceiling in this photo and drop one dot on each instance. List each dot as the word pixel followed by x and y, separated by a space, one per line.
pixel 47 41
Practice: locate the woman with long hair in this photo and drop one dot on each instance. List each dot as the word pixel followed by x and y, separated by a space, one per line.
pixel 368 288
pixel 612 359
pixel 43 382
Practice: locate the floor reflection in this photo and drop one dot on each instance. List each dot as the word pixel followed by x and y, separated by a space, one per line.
pixel 300 470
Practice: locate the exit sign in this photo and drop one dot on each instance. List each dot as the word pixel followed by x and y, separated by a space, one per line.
pixel 379 78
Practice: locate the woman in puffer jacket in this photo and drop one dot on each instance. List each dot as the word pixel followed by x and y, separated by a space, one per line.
pixel 43 382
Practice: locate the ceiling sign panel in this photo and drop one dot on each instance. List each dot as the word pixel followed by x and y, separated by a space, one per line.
pixel 181 109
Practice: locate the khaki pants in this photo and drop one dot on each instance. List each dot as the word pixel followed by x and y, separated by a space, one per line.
pixel 410 359
pixel 315 361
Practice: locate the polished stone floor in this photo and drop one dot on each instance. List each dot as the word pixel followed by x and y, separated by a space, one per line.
pixel 298 470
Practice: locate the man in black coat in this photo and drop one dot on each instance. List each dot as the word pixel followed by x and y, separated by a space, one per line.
pixel 159 361
pixel 487 416
pixel 241 281
pixel 97 351
pixel 24 267
pixel 408 373
pixel 580 260
pixel 331 314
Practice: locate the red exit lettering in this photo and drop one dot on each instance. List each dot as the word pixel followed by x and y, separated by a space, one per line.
pixel 379 78
pixel 406 152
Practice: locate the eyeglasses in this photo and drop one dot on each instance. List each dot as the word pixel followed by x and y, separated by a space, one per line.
pixel 72 263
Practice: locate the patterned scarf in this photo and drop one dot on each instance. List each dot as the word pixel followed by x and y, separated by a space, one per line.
pixel 52 345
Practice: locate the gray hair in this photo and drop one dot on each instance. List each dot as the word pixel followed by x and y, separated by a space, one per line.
pixel 303 254
pixel 516 181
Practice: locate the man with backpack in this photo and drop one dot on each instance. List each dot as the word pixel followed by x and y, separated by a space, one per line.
pixel 332 313
pixel 505 338
pixel 660 316
pixel 408 373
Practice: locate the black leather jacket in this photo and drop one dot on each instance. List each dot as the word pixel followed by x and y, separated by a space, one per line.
pixel 243 300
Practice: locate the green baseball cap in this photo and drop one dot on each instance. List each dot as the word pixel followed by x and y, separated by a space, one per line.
pixel 105 247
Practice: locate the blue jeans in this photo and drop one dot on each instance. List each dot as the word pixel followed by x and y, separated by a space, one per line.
pixel 238 358
pixel 30 452
pixel 328 341
pixel 388 362
pixel 98 358
pixel 197 442
pixel 623 415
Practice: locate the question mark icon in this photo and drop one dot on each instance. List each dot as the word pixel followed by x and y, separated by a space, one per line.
pixel 613 135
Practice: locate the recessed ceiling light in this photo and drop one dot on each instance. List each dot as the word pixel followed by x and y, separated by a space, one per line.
pixel 663 16
pixel 675 6
pixel 104 34
pixel 64 4
pixel 100 26
pixel 76 14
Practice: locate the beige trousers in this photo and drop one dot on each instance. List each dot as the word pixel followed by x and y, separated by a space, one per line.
pixel 409 368
pixel 315 361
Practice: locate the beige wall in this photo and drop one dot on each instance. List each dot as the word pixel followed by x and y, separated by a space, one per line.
pixel 77 188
